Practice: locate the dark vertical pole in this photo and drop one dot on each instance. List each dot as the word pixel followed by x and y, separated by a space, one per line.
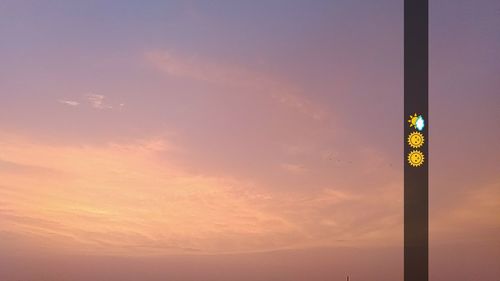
pixel 416 253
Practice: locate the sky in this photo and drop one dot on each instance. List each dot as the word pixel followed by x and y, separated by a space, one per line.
pixel 223 140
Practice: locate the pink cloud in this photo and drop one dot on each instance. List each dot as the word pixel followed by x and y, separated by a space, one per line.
pixel 282 92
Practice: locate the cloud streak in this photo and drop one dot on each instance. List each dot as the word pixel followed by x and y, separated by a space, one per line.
pixel 230 75
pixel 69 102
pixel 98 101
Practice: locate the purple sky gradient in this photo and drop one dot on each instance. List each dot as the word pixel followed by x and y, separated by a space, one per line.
pixel 189 140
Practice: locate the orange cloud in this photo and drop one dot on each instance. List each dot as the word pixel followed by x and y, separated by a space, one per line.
pixel 129 199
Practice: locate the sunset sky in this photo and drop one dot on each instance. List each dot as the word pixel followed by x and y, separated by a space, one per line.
pixel 240 140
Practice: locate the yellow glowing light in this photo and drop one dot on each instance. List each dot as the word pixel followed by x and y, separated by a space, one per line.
pixel 415 158
pixel 416 139
pixel 413 120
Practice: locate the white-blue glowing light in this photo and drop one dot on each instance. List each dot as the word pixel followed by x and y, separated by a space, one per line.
pixel 420 124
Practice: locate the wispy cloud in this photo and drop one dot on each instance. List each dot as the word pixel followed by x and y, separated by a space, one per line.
pixel 284 93
pixel 98 101
pixel 127 198
pixel 69 102
pixel 294 168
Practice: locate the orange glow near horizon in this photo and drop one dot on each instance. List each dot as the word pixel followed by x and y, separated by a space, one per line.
pixel 119 199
